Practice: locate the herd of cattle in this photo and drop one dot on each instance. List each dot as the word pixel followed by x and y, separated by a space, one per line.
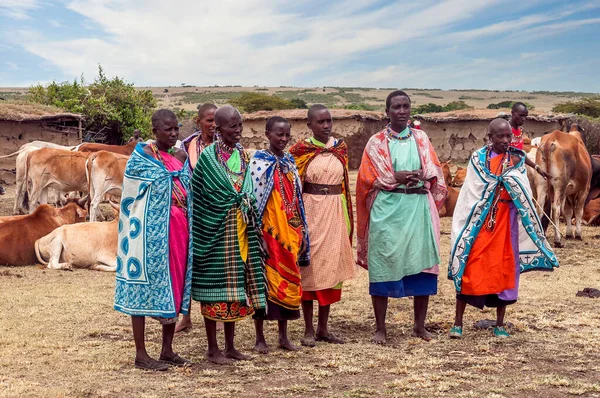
pixel 59 238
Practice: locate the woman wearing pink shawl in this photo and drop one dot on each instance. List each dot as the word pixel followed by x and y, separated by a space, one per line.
pixel 399 189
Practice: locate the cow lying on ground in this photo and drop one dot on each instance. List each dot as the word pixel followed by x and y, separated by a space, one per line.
pixel 591 212
pixel 21 198
pixel 126 149
pixel 54 168
pixel 90 245
pixel 18 236
pixel 565 157
pixel 105 177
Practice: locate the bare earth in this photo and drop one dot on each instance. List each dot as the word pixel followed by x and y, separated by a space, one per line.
pixel 61 337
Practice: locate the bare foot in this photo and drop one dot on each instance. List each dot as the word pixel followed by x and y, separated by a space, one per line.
pixel 262 348
pixel 422 334
pixel 308 341
pixel 235 354
pixel 287 345
pixel 329 338
pixel 184 324
pixel 380 337
pixel 218 358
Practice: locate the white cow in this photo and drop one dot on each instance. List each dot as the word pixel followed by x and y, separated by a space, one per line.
pixel 104 172
pixel 20 206
pixel 90 245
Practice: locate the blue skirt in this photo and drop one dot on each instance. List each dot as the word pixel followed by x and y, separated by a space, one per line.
pixel 422 284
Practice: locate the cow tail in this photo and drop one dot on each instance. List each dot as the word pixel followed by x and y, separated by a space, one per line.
pixel 88 179
pixel 38 254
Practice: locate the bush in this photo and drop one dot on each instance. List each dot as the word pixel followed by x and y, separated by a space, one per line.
pixel 111 104
pixel 508 104
pixel 361 107
pixel 591 129
pixel 434 108
pixel 586 106
pixel 253 102
pixel 297 103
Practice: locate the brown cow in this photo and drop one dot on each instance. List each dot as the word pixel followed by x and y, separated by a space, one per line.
pixel 105 172
pixel 565 157
pixel 591 212
pixel 126 149
pixel 19 235
pixel 447 210
pixel 54 168
pixel 459 177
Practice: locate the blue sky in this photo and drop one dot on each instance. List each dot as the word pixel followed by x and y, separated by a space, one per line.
pixel 454 44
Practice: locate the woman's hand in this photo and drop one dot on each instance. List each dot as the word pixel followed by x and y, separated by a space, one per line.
pixel 408 178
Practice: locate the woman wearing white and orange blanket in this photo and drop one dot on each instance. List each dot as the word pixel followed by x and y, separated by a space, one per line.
pixel 399 189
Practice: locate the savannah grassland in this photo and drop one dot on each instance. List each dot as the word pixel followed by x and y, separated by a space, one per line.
pixel 60 337
pixel 187 98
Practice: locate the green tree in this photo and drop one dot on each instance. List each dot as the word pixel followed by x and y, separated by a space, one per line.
pixel 110 104
pixel 456 106
pixel 508 105
pixel 253 102
pixel 585 106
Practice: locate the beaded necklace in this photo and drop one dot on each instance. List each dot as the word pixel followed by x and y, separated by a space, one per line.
pixel 517 138
pixel 289 207
pixel 222 149
pixel 504 165
pixel 393 135
pixel 178 195
pixel 200 146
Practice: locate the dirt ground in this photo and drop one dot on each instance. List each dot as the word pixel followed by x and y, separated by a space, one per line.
pixel 60 337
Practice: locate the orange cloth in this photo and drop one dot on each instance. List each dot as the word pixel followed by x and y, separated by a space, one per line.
pixel 490 268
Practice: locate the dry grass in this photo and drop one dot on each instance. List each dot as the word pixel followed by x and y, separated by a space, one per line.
pixel 61 337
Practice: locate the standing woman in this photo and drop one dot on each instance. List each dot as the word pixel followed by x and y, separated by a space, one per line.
pixel 399 189
pixel 228 278
pixel 323 167
pixel 496 233
pixel 278 191
pixel 154 270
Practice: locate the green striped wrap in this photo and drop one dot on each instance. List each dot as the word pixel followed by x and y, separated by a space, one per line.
pixel 219 273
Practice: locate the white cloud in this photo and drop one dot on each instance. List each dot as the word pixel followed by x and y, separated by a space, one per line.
pixel 203 43
pixel 17 9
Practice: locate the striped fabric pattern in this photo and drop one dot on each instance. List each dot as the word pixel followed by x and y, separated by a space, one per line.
pixel 219 272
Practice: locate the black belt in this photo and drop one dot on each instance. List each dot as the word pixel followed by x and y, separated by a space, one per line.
pixel 322 189
pixel 409 191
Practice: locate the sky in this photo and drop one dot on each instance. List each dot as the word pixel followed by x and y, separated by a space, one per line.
pixel 454 44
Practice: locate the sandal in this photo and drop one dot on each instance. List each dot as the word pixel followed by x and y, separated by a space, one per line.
pixel 152 365
pixel 175 360
pixel 455 332
pixel 330 338
pixel 500 331
pixel 308 342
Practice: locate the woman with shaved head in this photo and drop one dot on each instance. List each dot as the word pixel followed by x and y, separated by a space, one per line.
pixel 228 278
pixel 496 233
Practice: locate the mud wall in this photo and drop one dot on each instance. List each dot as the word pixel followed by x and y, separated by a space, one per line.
pixel 14 134
pixel 455 141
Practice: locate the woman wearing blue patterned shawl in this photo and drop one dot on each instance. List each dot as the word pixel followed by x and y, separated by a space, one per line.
pixel 277 188
pixel 496 233
pixel 154 267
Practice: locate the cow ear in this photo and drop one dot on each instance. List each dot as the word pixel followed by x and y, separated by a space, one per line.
pixel 82 213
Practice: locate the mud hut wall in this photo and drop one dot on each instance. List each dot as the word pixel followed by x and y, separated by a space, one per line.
pixel 14 134
pixel 455 141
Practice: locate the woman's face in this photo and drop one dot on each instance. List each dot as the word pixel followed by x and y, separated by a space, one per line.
pixel 321 124
pixel 230 129
pixel 166 132
pixel 501 138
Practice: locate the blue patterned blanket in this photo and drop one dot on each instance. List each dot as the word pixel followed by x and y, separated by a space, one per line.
pixel 143 285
